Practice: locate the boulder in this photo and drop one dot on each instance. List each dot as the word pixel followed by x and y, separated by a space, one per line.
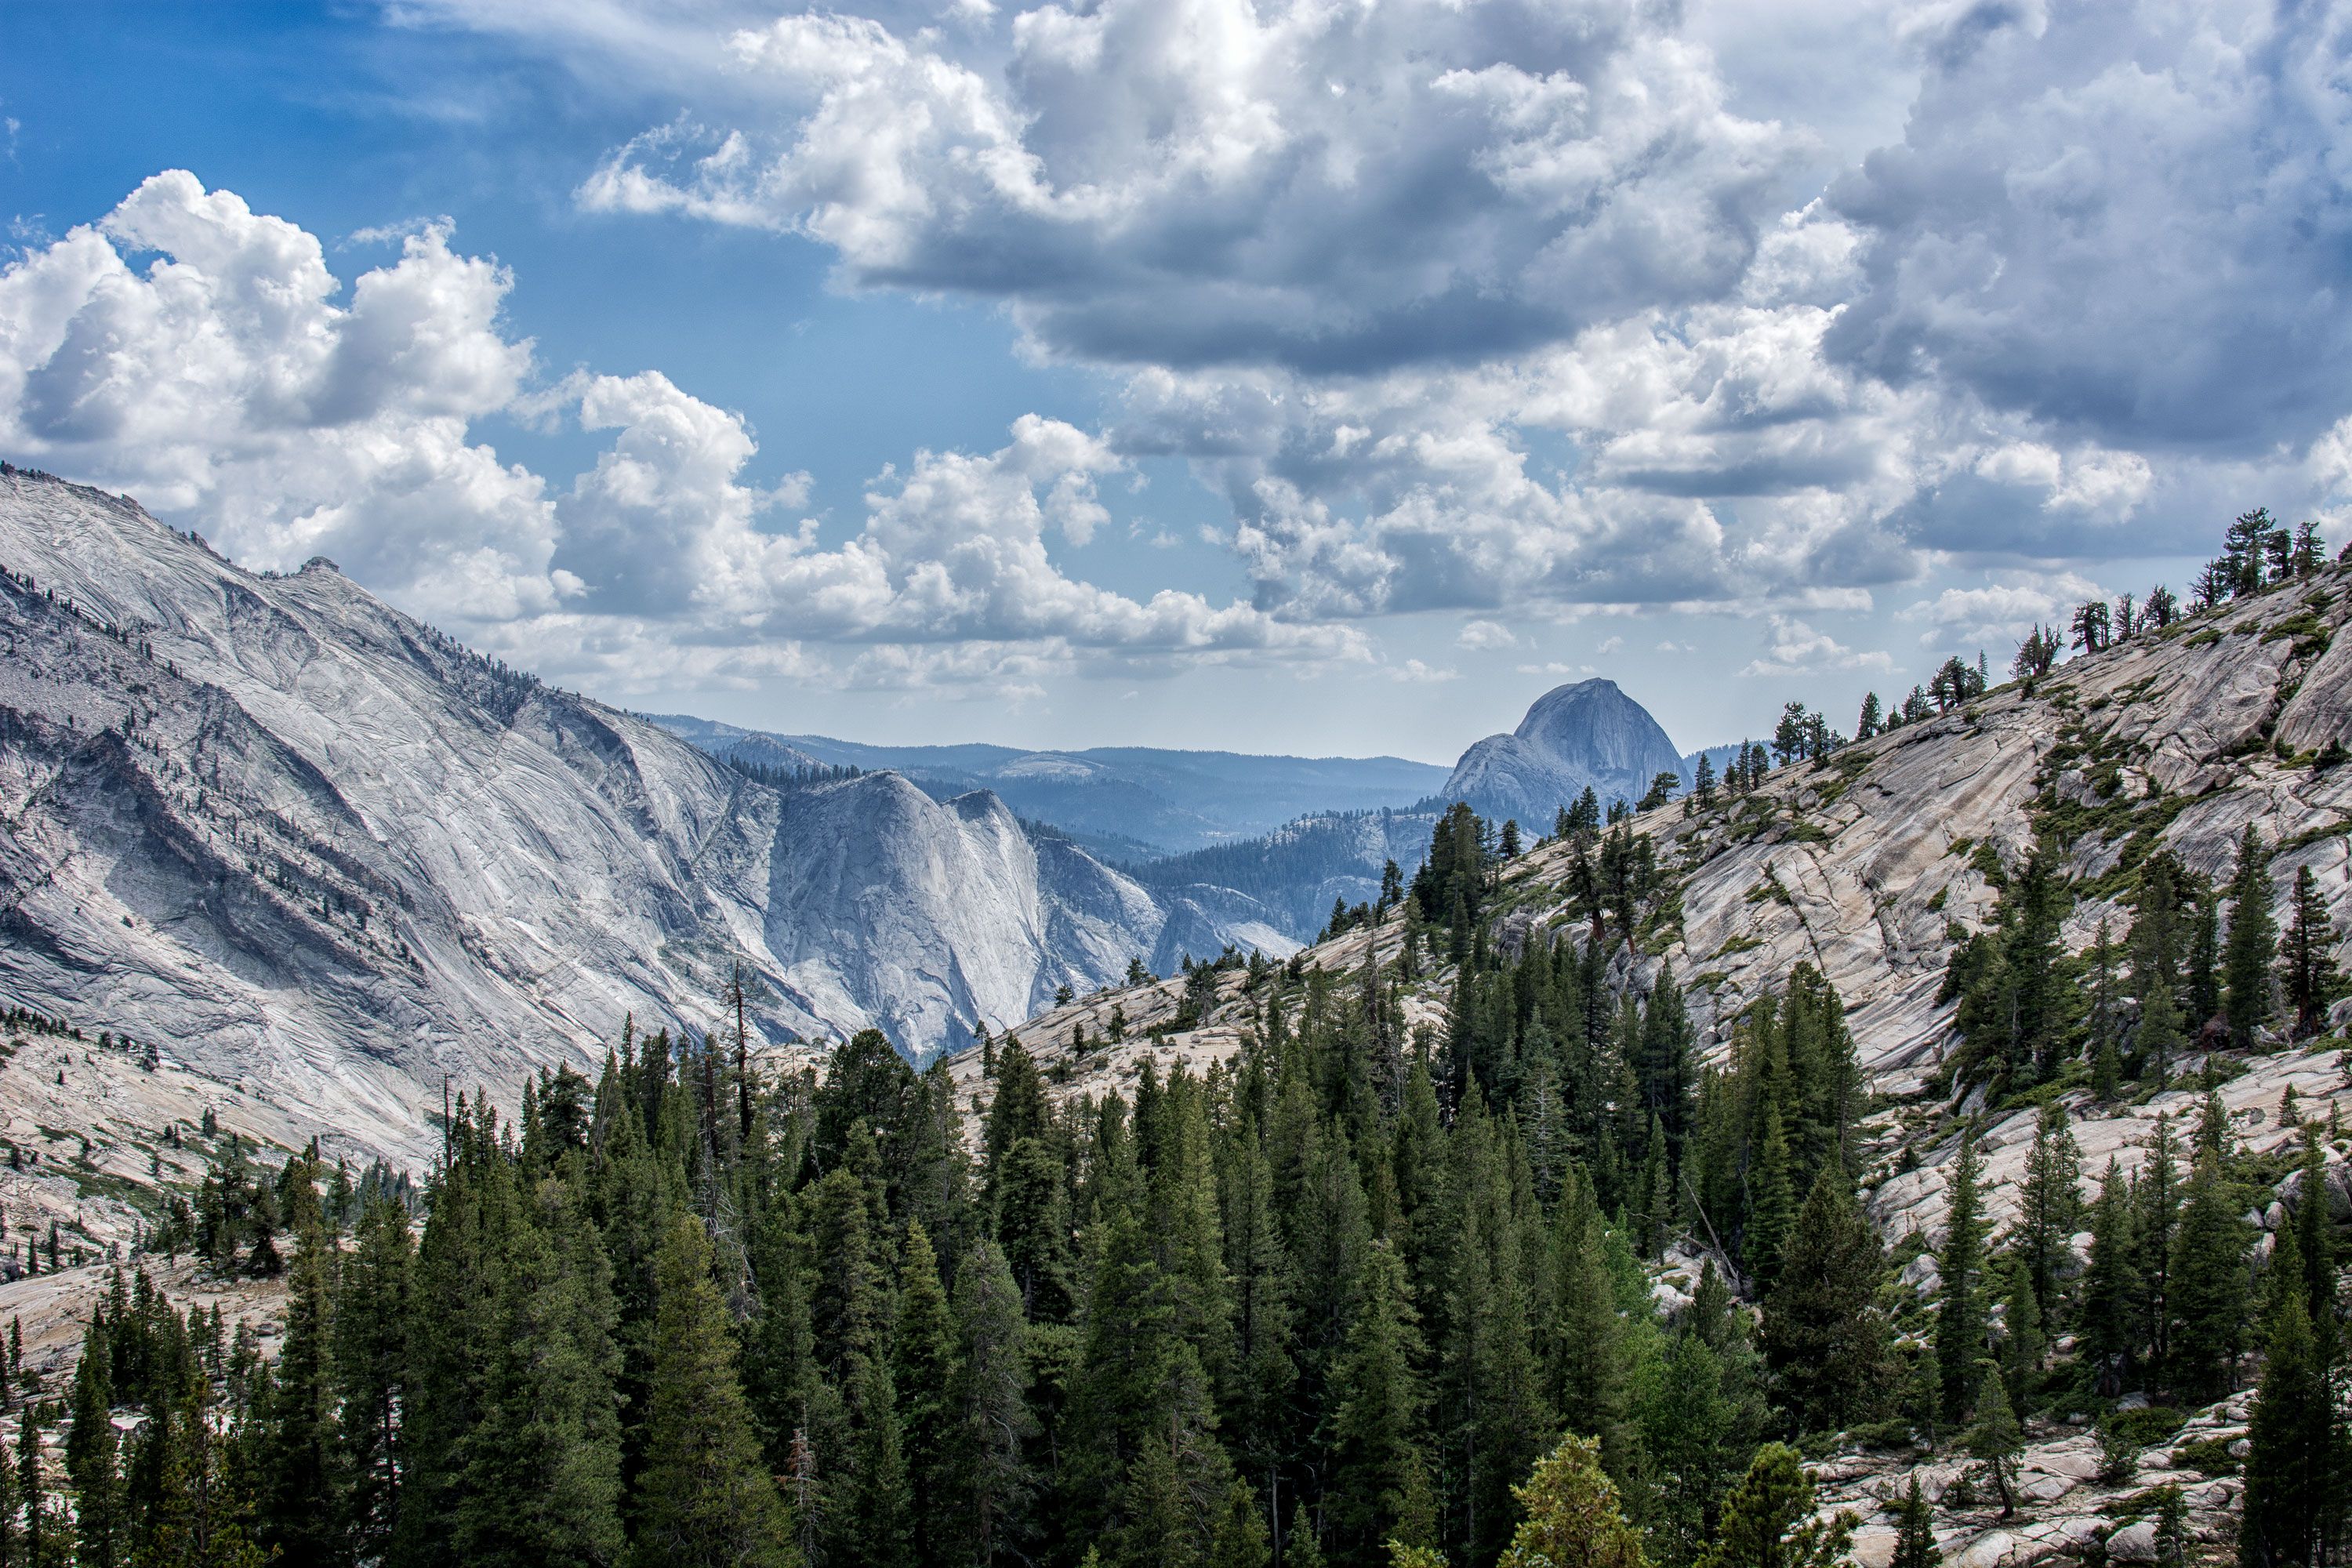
pixel 2133 1543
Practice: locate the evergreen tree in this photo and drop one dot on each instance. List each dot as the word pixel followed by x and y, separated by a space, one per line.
pixel 2252 941
pixel 702 1499
pixel 1572 1516
pixel 2050 1209
pixel 2308 972
pixel 300 1456
pixel 1914 1531
pixel 2295 1496
pixel 1376 1410
pixel 1996 1441
pixel 2111 1285
pixel 1768 1519
pixel 2208 1284
pixel 542 1467
pixel 90 1454
pixel 370 1317
pixel 1824 1337
pixel 1960 1310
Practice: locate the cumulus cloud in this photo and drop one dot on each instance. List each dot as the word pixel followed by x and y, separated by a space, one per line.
pixel 2120 220
pixel 227 385
pixel 1792 648
pixel 1482 634
pixel 2003 610
pixel 1196 182
pixel 224 382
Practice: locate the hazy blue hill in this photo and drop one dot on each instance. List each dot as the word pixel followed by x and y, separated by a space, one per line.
pixel 1133 802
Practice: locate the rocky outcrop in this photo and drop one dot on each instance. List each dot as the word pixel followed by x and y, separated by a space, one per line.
pixel 327 852
pixel 1590 734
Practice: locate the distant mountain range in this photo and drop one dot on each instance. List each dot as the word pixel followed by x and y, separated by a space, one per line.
pixel 1129 803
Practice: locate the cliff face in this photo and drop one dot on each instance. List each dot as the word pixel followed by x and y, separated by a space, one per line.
pixel 1590 734
pixel 314 847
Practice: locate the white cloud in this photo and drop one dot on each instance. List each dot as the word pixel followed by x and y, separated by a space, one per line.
pixel 225 385
pixel 1483 635
pixel 1609 645
pixel 1412 671
pixel 2001 611
pixel 1792 648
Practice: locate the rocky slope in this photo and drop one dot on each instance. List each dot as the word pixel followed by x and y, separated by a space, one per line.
pixel 1872 864
pixel 1590 734
pixel 324 851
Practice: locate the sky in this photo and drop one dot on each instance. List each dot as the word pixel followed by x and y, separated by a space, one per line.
pixel 1313 376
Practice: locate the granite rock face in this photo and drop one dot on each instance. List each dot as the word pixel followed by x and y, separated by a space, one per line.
pixel 324 850
pixel 1587 734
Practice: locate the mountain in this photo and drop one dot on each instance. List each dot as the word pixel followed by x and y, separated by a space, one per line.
pixel 319 849
pixel 1879 867
pixel 1296 872
pixel 1128 802
pixel 1587 734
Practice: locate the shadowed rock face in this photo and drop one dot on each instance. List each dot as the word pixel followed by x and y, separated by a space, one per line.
pixel 318 847
pixel 1587 734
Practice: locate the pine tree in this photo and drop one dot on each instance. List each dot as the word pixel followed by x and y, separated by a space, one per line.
pixel 1376 1409
pixel 2293 1495
pixel 542 1467
pixel 702 1499
pixel 370 1371
pixel 2156 1222
pixel 2111 1285
pixel 301 1484
pixel 91 1455
pixel 994 1482
pixel 927 1375
pixel 2208 1284
pixel 1688 1429
pixel 1772 1203
pixel 2049 1210
pixel 1995 1439
pixel 1824 1337
pixel 1961 1311
pixel 1914 1531
pixel 2308 972
pixel 2252 941
pixel 1768 1519
pixel 1572 1516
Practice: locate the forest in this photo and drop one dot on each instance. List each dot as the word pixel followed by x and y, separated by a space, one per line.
pixel 1365 1295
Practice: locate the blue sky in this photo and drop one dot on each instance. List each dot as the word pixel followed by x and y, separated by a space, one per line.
pixel 1273 377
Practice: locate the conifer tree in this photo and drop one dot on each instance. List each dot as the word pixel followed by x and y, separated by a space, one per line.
pixel 91 1455
pixel 703 1500
pixel 300 1458
pixel 1768 1519
pixel 1824 1337
pixel 2111 1286
pixel 994 1482
pixel 542 1467
pixel 1688 1425
pixel 927 1375
pixel 1960 1310
pixel 2155 1221
pixel 1572 1516
pixel 2308 972
pixel 2050 1209
pixel 1995 1439
pixel 2252 941
pixel 2209 1283
pixel 1914 1531
pixel 2295 1498
pixel 1376 1410
pixel 371 1369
